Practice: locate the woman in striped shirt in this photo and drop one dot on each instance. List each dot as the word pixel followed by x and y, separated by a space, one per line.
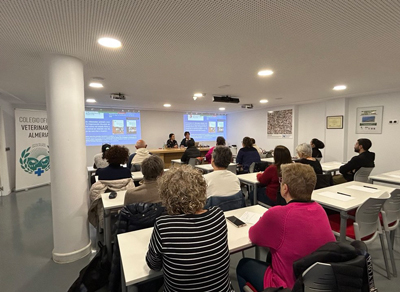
pixel 190 244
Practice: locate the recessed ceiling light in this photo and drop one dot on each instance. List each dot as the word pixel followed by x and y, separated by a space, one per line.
pixel 340 87
pixel 270 112
pixel 264 101
pixel 199 94
pixel 221 108
pixel 109 42
pixel 90 100
pixel 167 105
pixel 265 72
pixel 96 85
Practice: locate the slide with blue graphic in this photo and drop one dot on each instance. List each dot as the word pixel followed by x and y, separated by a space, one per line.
pixel 205 127
pixel 112 126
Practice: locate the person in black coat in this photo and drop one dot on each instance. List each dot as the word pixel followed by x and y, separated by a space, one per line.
pixel 304 153
pixel 316 145
pixel 190 152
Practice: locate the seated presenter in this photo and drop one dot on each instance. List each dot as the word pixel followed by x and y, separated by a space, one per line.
pixel 147 191
pixel 171 142
pixel 190 152
pixel 291 232
pixel 115 156
pixel 189 244
pixel 186 139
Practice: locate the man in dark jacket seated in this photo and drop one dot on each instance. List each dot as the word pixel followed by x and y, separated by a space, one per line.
pixel 190 152
pixel 364 159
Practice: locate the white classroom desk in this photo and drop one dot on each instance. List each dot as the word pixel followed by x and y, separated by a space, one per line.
pixel 250 179
pixel 343 204
pixel 133 247
pixel 331 167
pixel 90 170
pixel 270 160
pixel 208 167
pixel 177 161
pixel 392 177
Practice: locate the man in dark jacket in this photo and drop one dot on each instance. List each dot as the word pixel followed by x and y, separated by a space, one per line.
pixel 364 159
pixel 190 152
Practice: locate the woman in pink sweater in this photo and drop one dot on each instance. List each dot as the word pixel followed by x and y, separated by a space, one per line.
pixel 220 142
pixel 270 177
pixel 291 232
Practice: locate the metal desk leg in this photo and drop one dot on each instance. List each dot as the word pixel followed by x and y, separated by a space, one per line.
pixel 343 225
pixel 107 232
pixel 255 194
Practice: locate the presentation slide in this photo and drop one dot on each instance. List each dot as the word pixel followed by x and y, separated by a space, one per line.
pixel 205 127
pixel 112 127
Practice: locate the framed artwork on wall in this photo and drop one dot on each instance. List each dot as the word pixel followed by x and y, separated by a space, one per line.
pixel 369 120
pixel 334 122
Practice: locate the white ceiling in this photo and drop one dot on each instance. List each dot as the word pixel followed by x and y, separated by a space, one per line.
pixel 171 49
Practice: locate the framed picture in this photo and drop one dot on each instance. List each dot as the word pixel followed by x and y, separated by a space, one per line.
pixel 369 120
pixel 334 122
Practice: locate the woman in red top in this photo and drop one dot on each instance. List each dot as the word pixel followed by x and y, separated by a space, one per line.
pixel 270 177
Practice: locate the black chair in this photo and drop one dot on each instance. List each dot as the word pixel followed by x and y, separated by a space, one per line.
pixel 323 181
pixel 258 166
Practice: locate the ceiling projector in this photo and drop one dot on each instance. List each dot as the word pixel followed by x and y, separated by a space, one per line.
pixel 117 96
pixel 225 98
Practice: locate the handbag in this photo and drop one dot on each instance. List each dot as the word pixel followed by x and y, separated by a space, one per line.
pixel 95 275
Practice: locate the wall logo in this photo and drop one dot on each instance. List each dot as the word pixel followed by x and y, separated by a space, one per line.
pixel 35 159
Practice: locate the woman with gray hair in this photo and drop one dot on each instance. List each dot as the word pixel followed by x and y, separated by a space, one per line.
pixel 190 244
pixel 304 152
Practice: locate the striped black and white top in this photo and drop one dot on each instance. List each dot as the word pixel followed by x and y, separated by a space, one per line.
pixel 192 250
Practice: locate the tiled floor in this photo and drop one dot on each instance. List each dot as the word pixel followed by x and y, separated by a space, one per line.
pixel 26 242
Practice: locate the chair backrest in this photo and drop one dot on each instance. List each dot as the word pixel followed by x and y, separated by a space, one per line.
pixel 367 216
pixel 136 167
pixel 319 278
pixel 392 206
pixel 362 174
pixel 193 161
pixel 251 167
pixel 318 158
pixel 323 181
pixel 227 203
pixel 232 168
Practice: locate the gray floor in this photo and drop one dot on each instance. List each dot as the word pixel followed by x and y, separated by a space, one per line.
pixel 26 241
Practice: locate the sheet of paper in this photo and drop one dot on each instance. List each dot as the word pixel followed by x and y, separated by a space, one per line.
pixel 336 196
pixel 250 217
pixel 364 189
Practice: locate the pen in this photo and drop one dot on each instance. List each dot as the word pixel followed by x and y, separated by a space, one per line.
pixel 370 187
pixel 343 194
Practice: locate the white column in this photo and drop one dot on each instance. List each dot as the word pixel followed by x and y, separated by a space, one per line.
pixel 69 189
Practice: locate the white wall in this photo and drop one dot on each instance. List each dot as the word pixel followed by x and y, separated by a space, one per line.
pixel 9 131
pixel 385 145
pixel 253 123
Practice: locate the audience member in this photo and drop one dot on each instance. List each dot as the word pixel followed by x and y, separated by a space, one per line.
pixel 247 155
pixel 221 182
pixel 253 141
pixel 364 159
pixel 304 153
pixel 190 152
pixel 270 176
pixel 290 232
pixel 115 156
pixel 190 244
pixel 147 191
pixel 220 142
pixel 141 154
pixel 186 139
pixel 100 160
pixel 171 142
pixel 316 145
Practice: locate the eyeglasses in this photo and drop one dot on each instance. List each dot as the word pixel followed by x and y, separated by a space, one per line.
pixel 280 180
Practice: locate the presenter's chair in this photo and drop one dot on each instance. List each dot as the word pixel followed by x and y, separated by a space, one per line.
pixel 362 174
